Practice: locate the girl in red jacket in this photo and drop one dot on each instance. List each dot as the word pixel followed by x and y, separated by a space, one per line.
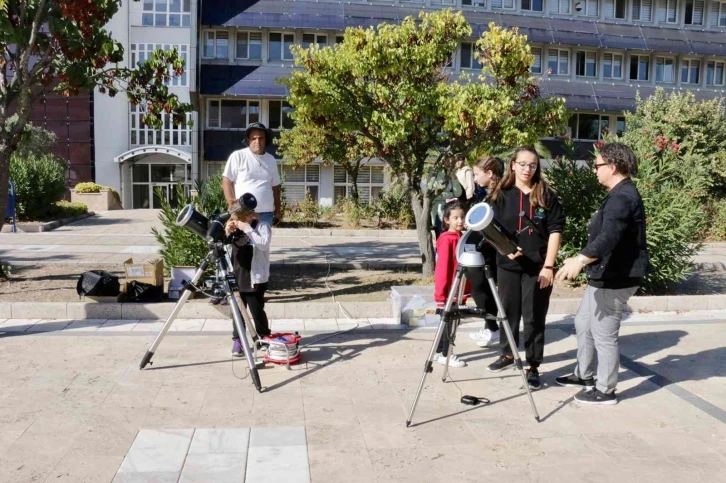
pixel 445 271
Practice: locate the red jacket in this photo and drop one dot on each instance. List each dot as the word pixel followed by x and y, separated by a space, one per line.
pixel 446 264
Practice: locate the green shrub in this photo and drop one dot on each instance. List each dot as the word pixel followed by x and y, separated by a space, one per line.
pixel 66 209
pixel 179 246
pixel 716 230
pixel 580 193
pixel 354 211
pixel 394 205
pixel 90 187
pixel 39 182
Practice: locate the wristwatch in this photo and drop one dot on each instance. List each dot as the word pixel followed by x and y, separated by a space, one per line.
pixel 549 267
pixel 581 259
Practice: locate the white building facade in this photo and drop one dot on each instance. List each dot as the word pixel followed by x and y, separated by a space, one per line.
pixel 129 157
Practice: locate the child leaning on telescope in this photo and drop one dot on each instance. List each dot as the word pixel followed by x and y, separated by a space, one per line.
pixel 251 238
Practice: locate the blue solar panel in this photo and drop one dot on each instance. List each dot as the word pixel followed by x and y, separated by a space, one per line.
pixel 661 45
pixel 575 38
pixel 617 42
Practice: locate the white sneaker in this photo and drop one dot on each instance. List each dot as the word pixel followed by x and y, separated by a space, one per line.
pixel 453 361
pixel 493 339
pixel 481 334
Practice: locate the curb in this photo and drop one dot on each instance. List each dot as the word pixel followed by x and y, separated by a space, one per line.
pixel 342 232
pixel 43 227
pixel 313 310
pixel 156 311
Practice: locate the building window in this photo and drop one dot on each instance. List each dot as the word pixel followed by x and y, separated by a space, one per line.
pixel 168 135
pixel 586 65
pixel 309 39
pixel 639 67
pixel 612 66
pixel 214 168
pixel 141 52
pixel 666 11
pixel 279 46
pixel 615 9
pixel 715 73
pixel 620 126
pixel 589 8
pixel 665 69
pixel 693 12
pixel 588 127
pixel 642 10
pixel 280 115
pixel 249 45
pixel 216 44
pixel 232 113
pixel 508 4
pixel 473 3
pixel 370 183
pixel 532 5
pixel 443 2
pixel 690 71
pixel 537 64
pixel 299 181
pixel 339 39
pixel 166 13
pixel 469 56
pixel 560 6
pixel 558 61
pixel 720 10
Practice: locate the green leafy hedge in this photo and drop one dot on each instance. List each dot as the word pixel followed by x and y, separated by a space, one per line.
pixel 91 187
pixel 39 182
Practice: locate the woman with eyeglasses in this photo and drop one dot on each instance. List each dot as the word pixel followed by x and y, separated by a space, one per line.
pixel 525 279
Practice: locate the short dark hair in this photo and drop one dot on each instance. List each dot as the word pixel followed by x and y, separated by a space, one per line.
pixel 621 156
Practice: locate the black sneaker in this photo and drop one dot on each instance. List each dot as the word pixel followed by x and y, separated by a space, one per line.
pixel 533 379
pixel 593 396
pixel 571 380
pixel 500 364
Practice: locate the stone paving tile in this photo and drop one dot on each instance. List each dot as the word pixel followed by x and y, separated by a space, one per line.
pixel 118 325
pixel 84 325
pixel 17 325
pixel 160 451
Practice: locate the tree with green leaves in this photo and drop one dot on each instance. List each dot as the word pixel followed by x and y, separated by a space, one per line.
pixel 306 142
pixel 62 46
pixel 389 87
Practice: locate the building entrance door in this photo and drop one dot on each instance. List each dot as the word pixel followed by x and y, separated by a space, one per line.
pixel 147 178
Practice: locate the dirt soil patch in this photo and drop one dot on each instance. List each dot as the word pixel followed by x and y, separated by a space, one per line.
pixel 57 283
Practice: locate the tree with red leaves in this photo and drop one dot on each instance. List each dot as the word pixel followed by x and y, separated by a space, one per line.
pixel 62 46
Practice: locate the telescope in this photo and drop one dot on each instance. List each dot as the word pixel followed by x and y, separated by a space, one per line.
pixel 480 220
pixel 212 229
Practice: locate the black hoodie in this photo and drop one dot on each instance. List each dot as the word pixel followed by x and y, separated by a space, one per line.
pixel 509 203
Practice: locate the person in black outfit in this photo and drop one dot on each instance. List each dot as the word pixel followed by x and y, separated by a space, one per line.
pixel 488 172
pixel 615 260
pixel 526 278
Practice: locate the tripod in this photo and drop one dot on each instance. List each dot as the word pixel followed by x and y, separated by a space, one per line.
pixel 217 255
pixel 450 318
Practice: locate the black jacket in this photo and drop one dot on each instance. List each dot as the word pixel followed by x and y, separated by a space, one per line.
pixel 616 237
pixel 507 207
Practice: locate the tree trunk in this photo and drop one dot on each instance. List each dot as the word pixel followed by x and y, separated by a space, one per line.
pixel 5 152
pixel 421 205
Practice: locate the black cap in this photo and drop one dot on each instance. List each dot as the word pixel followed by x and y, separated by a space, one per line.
pixel 261 127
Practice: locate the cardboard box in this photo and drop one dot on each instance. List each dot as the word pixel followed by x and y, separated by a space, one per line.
pixel 151 273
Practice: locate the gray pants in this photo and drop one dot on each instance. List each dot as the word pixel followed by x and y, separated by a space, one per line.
pixel 597 324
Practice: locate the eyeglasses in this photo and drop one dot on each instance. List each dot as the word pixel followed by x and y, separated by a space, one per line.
pixel 597 166
pixel 522 164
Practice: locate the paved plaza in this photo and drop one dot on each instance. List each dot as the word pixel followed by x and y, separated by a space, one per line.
pixel 74 407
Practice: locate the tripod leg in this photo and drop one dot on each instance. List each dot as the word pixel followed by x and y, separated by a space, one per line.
pixel 428 365
pixel 504 325
pixel 454 326
pixel 184 297
pixel 238 317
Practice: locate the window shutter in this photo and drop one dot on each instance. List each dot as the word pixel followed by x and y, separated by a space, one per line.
pixel 339 174
pixel 698 8
pixel 609 7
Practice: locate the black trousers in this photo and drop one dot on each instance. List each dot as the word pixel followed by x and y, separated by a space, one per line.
pixel 482 294
pixel 523 299
pixel 255 302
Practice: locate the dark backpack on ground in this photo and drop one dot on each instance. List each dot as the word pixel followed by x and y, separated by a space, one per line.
pixel 143 292
pixel 98 283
